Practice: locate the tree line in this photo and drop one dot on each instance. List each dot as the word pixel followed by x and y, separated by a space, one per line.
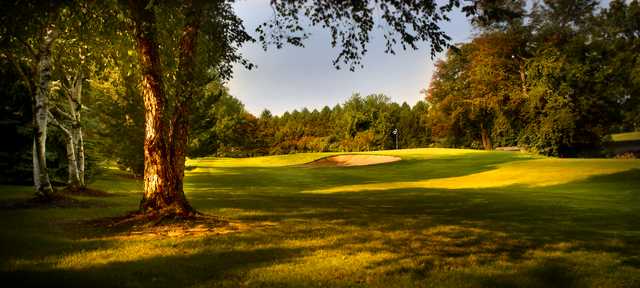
pixel 359 124
pixel 557 79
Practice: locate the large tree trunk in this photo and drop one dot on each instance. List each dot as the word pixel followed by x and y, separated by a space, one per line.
pixel 40 114
pixel 486 138
pixel 186 88
pixel 159 193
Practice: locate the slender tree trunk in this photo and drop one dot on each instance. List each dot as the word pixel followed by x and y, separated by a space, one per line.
pixel 73 132
pixel 41 111
pixel 159 183
pixel 523 79
pixel 81 158
pixel 73 181
pixel 36 166
pixel 186 88
pixel 75 107
pixel 74 176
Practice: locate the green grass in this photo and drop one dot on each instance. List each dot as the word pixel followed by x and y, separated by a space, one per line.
pixel 629 136
pixel 439 218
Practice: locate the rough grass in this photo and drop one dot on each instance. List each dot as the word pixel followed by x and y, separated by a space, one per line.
pixel 439 218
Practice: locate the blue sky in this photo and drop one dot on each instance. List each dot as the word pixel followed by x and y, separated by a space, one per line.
pixel 293 77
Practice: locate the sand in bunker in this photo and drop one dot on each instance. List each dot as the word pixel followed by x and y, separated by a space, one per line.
pixel 353 160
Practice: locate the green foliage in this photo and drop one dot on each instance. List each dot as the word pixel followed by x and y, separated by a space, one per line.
pixel 557 85
pixel 15 126
pixel 220 125
pixel 359 124
pixel 618 40
pixel 119 129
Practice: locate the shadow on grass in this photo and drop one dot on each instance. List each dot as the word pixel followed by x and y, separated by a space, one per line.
pixel 582 233
pixel 597 214
pixel 160 271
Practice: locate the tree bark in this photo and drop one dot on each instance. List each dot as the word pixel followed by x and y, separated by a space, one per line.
pixel 73 181
pixel 73 131
pixel 75 102
pixel 74 97
pixel 74 174
pixel 159 181
pixel 186 88
pixel 486 138
pixel 81 158
pixel 40 116
pixel 37 183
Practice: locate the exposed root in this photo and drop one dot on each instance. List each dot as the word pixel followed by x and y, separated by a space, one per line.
pixel 166 223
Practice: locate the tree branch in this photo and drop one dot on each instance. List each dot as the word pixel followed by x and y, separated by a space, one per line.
pixel 24 77
pixel 65 114
pixel 33 53
pixel 55 122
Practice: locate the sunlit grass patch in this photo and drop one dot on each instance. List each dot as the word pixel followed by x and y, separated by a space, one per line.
pixel 265 161
pixel 629 136
pixel 534 173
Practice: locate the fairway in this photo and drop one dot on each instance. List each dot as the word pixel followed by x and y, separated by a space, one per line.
pixel 436 218
pixel 630 136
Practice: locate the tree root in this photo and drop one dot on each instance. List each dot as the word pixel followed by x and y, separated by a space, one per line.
pixel 166 222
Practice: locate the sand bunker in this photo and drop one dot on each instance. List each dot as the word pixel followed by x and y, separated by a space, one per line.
pixel 353 160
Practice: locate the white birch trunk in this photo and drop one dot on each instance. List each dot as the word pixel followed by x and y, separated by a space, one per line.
pixel 41 111
pixel 73 132
pixel 72 159
pixel 36 166
pixel 76 128
pixel 74 176
pixel 80 145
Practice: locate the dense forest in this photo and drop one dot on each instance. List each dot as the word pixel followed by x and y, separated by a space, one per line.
pixel 556 78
